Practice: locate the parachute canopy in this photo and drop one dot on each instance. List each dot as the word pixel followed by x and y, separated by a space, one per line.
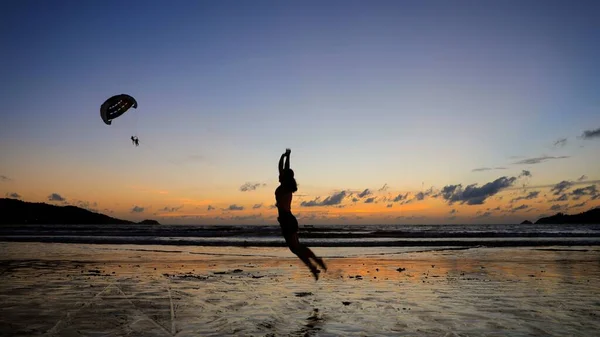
pixel 116 106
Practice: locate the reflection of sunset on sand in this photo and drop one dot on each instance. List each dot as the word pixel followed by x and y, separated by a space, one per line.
pixel 79 290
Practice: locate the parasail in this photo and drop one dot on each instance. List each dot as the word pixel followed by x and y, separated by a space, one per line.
pixel 116 106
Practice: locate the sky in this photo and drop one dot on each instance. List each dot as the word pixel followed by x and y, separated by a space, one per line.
pixel 395 111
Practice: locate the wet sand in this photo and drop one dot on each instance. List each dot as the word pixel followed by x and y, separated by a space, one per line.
pixel 54 289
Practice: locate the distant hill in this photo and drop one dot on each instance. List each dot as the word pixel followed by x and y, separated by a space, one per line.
pixel 590 217
pixel 17 212
pixel 149 222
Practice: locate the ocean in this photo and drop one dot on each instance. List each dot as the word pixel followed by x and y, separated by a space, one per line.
pixel 446 235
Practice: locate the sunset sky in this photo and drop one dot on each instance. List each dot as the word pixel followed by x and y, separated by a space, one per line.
pixel 395 111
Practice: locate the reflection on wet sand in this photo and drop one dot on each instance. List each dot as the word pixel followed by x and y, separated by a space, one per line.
pixel 80 290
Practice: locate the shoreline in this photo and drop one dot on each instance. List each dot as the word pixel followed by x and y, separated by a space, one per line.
pixel 279 242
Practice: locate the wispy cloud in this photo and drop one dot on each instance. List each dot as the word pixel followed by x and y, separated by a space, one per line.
pixel 247 217
pixel 4 178
pixel 538 160
pixel 560 142
pixel 563 197
pixel 519 208
pixel 480 169
pixel 384 188
pixel 257 206
pixel 90 206
pixel 210 208
pixel 585 191
pixel 583 177
pixel 251 186
pixel 484 215
pixel 573 183
pixel 589 134
pixel 525 173
pixel 13 195
pixel 561 187
pixel 529 196
pixel 169 209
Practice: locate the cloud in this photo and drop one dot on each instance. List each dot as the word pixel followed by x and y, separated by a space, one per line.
pixel 210 208
pixel 563 197
pixel 561 187
pixel 401 197
pixel 251 186
pixel 235 207
pixel 170 209
pixel 389 205
pixel 589 134
pixel 364 193
pixel 573 183
pixel 525 173
pixel 529 196
pixel 538 160
pixel 473 195
pixel 87 205
pixel 4 178
pixel 520 208
pixel 589 190
pixel 334 199
pixel 56 197
pixel 579 205
pixel 557 207
pixel 13 195
pixel 560 142
pixel 484 215
pixel 370 200
pixel 383 188
pixel 422 195
pixel 453 211
pixel 480 169
pixel 583 177
pixel 256 206
pixel 247 217
pixel 137 209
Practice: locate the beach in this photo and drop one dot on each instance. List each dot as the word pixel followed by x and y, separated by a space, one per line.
pixel 57 289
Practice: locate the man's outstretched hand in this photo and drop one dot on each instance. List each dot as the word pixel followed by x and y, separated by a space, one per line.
pixel 287 152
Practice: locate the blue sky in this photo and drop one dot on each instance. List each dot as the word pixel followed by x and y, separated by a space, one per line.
pixel 413 94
